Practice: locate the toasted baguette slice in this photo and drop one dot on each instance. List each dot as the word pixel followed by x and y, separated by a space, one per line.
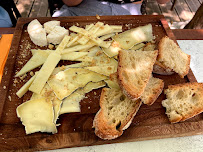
pixel 134 71
pixel 183 101
pixel 152 91
pixel 170 55
pixel 116 114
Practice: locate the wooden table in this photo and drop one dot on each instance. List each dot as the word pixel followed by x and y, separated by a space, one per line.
pixel 180 34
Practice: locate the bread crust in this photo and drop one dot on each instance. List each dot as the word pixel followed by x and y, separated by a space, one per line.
pixel 198 87
pixel 106 131
pixel 128 89
pixel 156 92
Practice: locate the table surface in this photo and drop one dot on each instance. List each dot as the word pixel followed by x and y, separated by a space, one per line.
pixel 180 34
pixel 192 143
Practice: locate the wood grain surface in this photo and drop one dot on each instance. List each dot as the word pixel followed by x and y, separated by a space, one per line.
pixel 76 128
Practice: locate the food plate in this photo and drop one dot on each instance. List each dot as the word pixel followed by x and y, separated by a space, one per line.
pixel 76 128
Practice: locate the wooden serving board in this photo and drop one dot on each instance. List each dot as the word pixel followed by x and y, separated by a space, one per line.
pixel 76 128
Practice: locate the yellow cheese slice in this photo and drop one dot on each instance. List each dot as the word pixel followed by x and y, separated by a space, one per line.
pixel 105 69
pixel 83 40
pixel 78 48
pixel 101 59
pixel 72 40
pixel 134 36
pixel 63 44
pixel 76 65
pixel 72 56
pixel 72 102
pixel 107 36
pixel 112 84
pixel 116 27
pixel 34 51
pixel 49 95
pixel 104 30
pixel 25 87
pixel 66 82
pixel 138 46
pixel 37 116
pixel 94 38
pixel 45 72
pixel 35 61
pixel 112 50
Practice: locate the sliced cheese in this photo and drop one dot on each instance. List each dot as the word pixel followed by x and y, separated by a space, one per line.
pixel 35 61
pixel 107 36
pixel 49 95
pixel 63 44
pixel 134 36
pixel 76 65
pixel 112 50
pixel 83 40
pixel 73 55
pixel 34 51
pixel 138 46
pixel 25 87
pixel 88 27
pixel 37 115
pixel 112 84
pixel 101 59
pixel 72 102
pixel 72 41
pixel 66 82
pixel 78 48
pixel 104 70
pixel 86 33
pixel 104 30
pixel 45 72
pixel 116 27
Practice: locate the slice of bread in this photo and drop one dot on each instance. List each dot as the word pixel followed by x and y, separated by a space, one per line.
pixel 152 91
pixel 116 114
pixel 171 56
pixel 159 68
pixel 134 71
pixel 183 101
pixel 50 25
pixel 57 35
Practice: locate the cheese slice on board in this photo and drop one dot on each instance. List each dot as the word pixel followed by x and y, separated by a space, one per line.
pixel 25 87
pixel 35 61
pixel 49 95
pixel 37 116
pixel 134 36
pixel 76 65
pixel 66 82
pixel 104 70
pixel 45 72
pixel 72 102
